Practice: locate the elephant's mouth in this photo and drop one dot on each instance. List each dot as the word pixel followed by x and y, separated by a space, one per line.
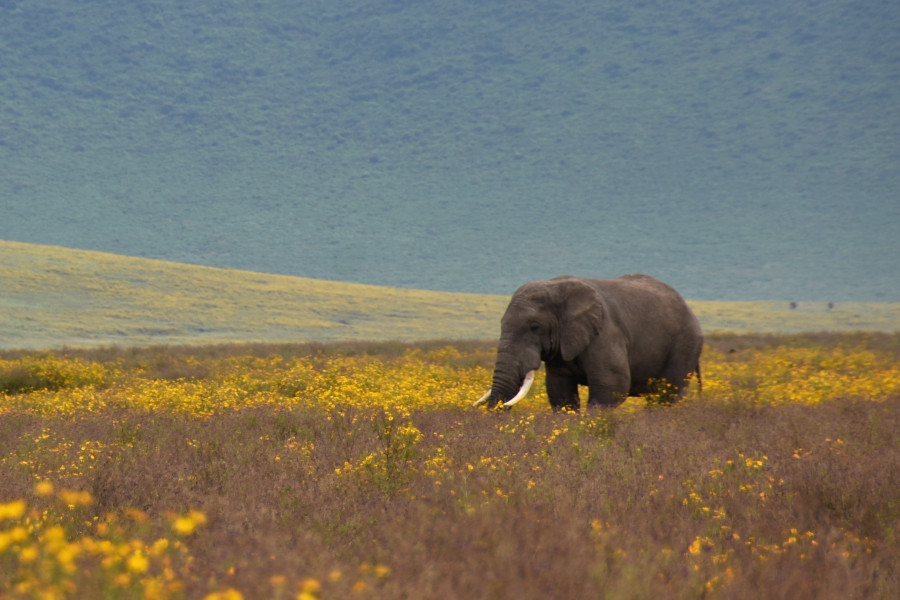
pixel 526 385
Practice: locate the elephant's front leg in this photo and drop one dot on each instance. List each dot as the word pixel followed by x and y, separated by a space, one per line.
pixel 608 390
pixel 605 397
pixel 562 390
pixel 608 373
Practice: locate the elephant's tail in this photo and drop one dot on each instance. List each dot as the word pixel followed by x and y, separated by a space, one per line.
pixel 699 380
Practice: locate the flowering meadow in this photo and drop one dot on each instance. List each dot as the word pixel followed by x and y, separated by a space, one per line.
pixel 362 471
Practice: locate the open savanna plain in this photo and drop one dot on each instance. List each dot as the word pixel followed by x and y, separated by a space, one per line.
pixel 360 470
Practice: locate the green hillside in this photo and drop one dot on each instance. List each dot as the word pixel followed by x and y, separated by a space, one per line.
pixel 52 296
pixel 55 296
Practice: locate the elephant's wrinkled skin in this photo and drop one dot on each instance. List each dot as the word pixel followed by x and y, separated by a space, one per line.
pixel 617 336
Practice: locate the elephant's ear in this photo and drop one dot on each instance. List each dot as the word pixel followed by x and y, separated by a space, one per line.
pixel 581 317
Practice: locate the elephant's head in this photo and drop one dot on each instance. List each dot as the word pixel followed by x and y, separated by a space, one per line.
pixel 545 320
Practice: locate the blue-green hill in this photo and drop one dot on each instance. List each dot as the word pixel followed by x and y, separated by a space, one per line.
pixel 738 150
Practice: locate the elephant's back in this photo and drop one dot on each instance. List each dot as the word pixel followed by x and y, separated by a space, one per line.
pixel 642 298
pixel 638 284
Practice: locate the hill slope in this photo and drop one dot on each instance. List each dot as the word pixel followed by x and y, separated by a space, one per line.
pixel 52 296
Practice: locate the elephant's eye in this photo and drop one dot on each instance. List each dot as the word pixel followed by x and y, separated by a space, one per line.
pixel 534 327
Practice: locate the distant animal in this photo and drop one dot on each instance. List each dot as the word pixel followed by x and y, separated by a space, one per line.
pixel 620 337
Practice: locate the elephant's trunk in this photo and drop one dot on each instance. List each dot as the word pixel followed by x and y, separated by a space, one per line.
pixel 513 373
pixel 526 385
pixel 493 396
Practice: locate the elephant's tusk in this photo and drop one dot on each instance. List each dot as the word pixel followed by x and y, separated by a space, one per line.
pixel 483 399
pixel 526 385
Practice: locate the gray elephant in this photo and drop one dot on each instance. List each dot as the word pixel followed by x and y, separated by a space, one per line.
pixel 617 336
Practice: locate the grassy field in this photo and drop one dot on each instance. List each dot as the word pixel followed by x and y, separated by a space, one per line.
pixel 361 471
pixel 52 297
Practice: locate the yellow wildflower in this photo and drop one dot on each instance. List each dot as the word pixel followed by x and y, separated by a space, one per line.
pixel 382 571
pixel 137 562
pixel 28 554
pixel 43 488
pixel 229 594
pixel 76 498
pixel 695 546
pixel 12 510
pixel 310 586
pixel 54 536
pixel 159 546
pixel 187 524
pixel 19 534
pixel 184 525
pixel 66 557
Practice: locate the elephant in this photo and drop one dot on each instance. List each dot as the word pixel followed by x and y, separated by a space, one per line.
pixel 620 337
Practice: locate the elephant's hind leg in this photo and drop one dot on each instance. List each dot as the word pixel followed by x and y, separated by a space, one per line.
pixel 678 371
